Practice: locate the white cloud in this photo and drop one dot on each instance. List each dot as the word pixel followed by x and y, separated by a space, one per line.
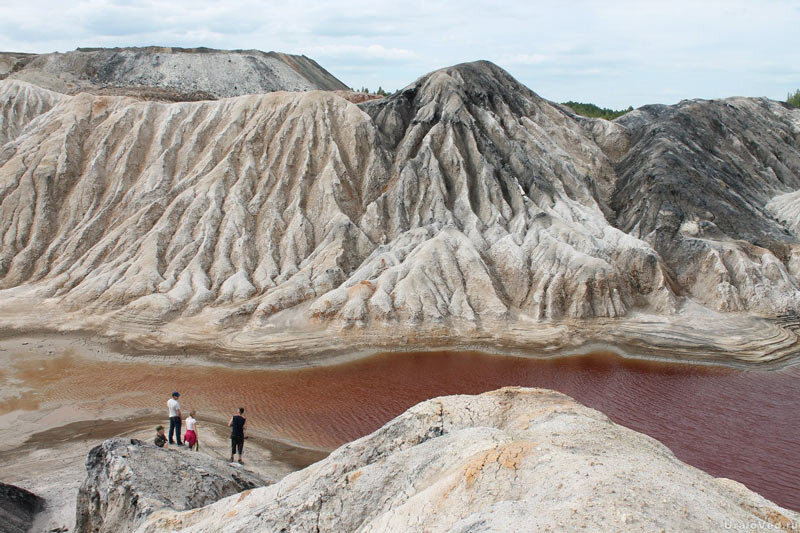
pixel 528 59
pixel 613 53
pixel 372 51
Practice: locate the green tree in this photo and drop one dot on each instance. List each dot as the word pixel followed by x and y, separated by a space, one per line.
pixel 793 99
pixel 593 111
pixel 379 92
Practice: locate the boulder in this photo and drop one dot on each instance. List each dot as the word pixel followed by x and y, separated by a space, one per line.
pixel 17 507
pixel 515 459
pixel 127 479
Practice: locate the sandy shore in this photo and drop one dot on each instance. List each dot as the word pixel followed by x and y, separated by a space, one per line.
pixel 693 334
pixel 696 335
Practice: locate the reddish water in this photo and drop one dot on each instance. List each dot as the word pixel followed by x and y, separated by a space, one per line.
pixel 737 424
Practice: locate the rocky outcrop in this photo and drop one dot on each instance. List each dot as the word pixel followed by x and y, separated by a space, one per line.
pixel 127 480
pixel 509 460
pixel 169 73
pixel 464 203
pixel 17 508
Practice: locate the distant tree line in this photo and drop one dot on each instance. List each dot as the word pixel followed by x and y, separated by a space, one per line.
pixel 593 111
pixel 379 92
pixel 793 99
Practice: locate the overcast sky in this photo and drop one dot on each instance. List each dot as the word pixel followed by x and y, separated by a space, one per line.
pixel 612 53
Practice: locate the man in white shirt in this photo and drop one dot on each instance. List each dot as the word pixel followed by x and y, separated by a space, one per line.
pixel 174 408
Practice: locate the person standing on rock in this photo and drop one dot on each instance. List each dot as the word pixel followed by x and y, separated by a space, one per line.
pixel 237 425
pixel 174 408
pixel 190 437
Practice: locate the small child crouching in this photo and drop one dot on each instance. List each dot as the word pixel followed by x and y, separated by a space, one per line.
pixel 161 439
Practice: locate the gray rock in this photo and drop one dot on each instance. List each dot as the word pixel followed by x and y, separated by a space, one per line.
pixel 127 480
pixel 17 508
pixel 505 461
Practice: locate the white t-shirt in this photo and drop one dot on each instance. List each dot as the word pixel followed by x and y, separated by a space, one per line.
pixel 190 423
pixel 174 406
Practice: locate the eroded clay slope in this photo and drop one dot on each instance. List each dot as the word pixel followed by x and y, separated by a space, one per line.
pixel 170 208
pixel 463 201
pixel 20 103
pixel 509 460
pixel 493 208
pixel 696 185
pixel 472 209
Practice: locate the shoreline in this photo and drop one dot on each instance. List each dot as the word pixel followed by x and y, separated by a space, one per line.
pixel 99 347
pixel 692 335
pixel 290 451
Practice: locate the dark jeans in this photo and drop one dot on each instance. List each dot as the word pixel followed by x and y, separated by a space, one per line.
pixel 175 425
pixel 237 442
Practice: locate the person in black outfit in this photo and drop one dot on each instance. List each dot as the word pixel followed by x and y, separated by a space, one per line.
pixel 237 425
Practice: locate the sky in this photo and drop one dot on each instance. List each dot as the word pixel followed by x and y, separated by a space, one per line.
pixel 611 53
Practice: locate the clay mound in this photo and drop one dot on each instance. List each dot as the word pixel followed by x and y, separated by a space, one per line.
pixel 493 207
pixel 696 185
pixel 463 200
pixel 171 74
pixel 509 460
